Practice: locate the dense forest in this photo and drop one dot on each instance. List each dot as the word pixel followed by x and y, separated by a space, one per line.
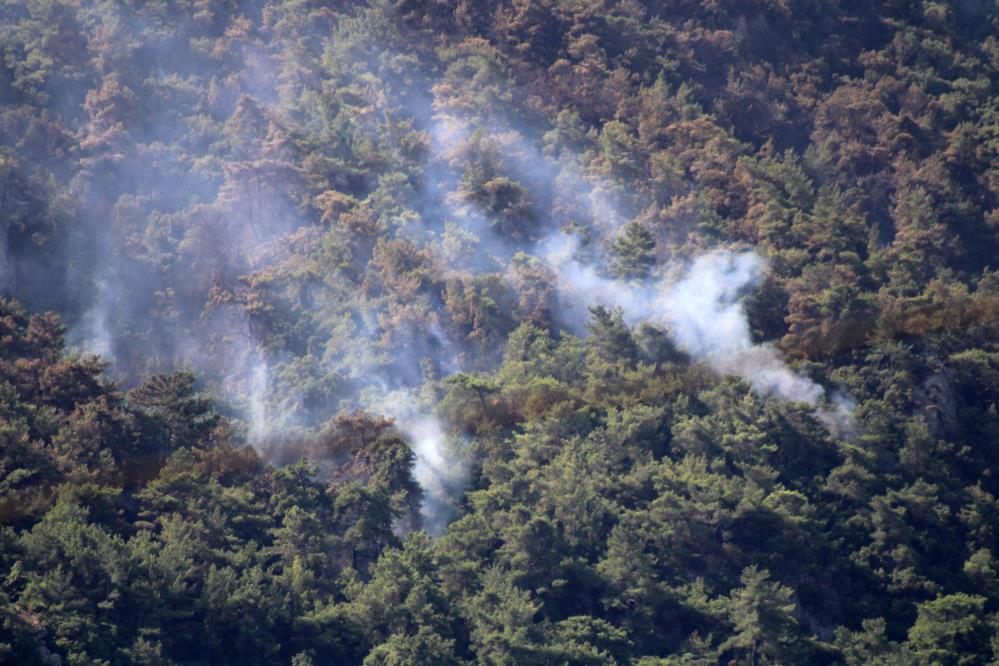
pixel 443 332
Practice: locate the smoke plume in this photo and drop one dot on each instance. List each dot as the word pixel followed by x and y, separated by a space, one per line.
pixel 232 260
pixel 703 313
pixel 441 466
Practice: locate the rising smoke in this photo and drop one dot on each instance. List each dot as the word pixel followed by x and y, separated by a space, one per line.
pixel 441 466
pixel 703 313
pixel 243 222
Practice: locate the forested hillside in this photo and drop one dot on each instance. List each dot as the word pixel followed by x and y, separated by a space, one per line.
pixel 521 332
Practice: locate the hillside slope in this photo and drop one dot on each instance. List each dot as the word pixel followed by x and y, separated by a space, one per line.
pixel 529 332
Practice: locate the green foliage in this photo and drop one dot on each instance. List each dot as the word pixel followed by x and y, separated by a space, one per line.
pixel 349 195
pixel 952 629
pixel 762 615
pixel 632 253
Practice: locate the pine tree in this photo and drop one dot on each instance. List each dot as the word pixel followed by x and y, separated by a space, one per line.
pixel 633 253
pixel 761 611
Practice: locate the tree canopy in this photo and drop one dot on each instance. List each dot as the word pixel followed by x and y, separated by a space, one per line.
pixel 349 332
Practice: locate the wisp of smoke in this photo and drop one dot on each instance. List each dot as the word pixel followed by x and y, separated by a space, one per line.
pixel 581 286
pixel 441 466
pixel 704 315
pixel 250 214
pixel 707 320
pixel 259 423
pixel 702 310
pixel 437 472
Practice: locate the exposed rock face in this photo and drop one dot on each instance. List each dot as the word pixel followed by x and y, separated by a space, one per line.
pixel 939 400
pixel 6 263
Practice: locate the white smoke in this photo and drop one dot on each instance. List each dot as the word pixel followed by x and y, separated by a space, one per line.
pixel 94 333
pixel 441 467
pixel 699 305
pixel 701 308
pixel 703 313
pixel 708 321
pixel 260 425
pixel 437 471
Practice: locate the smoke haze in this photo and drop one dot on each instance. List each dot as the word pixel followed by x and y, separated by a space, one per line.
pixel 192 271
pixel 702 312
